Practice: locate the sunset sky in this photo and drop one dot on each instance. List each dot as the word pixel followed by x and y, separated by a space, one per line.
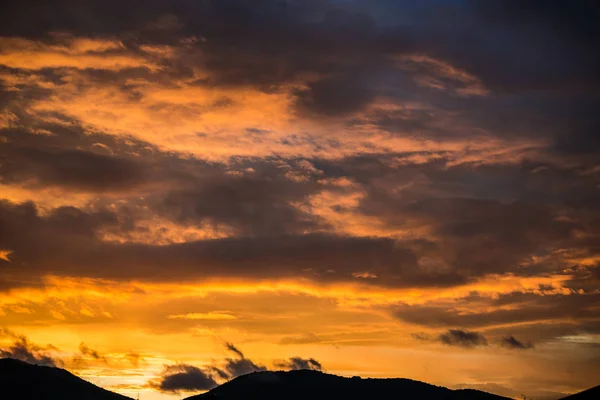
pixel 191 190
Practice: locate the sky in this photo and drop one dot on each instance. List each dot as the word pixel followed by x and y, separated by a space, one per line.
pixel 191 190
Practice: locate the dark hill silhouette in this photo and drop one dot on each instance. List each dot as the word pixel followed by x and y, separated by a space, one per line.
pixel 590 394
pixel 314 385
pixel 33 382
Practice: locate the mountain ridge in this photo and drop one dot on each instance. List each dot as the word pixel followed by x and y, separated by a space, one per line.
pixel 38 382
pixel 303 384
pixel 589 394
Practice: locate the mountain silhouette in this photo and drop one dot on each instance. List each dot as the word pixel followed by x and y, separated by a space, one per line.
pixel 315 385
pixel 34 382
pixel 590 394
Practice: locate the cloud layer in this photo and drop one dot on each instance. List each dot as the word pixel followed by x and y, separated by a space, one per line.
pixel 303 173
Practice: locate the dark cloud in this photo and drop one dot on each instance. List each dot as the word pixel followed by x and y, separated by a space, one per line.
pixel 487 219
pixel 231 347
pixel 534 63
pixel 183 377
pixel 190 192
pixel 23 350
pixel 473 213
pixel 240 365
pixel 65 240
pixel 548 69
pixel 574 309
pixel 253 204
pixel 346 54
pixel 68 156
pixel 86 351
pixel 334 96
pixel 460 338
pixel 553 43
pixel 266 43
pixel 297 363
pixel 510 342
pixel 72 169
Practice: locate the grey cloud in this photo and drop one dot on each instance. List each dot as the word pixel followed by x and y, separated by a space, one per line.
pixel 480 220
pixel 252 204
pixel 66 239
pixel 298 363
pixel 334 96
pixel 187 191
pixel 231 347
pixel 183 377
pixel 250 196
pixel 240 365
pixel 510 342
pixel 23 350
pixel 265 44
pixel 350 52
pixel 460 338
pixel 86 351
pixel 570 315
pixel 72 169
pixel 68 157
pixel 486 219
pixel 569 26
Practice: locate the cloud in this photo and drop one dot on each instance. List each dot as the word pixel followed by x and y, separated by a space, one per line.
pixel 301 339
pixel 510 342
pixel 134 359
pixel 66 157
pixel 364 145
pixel 334 96
pixel 319 257
pixel 429 207
pixel 72 169
pixel 23 350
pixel 209 316
pixel 460 338
pixel 183 377
pixel 298 363
pixel 86 351
pixel 539 305
pixel 241 365
pixel 253 205
pixel 231 347
pixel 335 59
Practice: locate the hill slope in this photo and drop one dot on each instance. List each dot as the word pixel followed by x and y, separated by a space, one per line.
pixel 33 382
pixel 590 394
pixel 296 385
